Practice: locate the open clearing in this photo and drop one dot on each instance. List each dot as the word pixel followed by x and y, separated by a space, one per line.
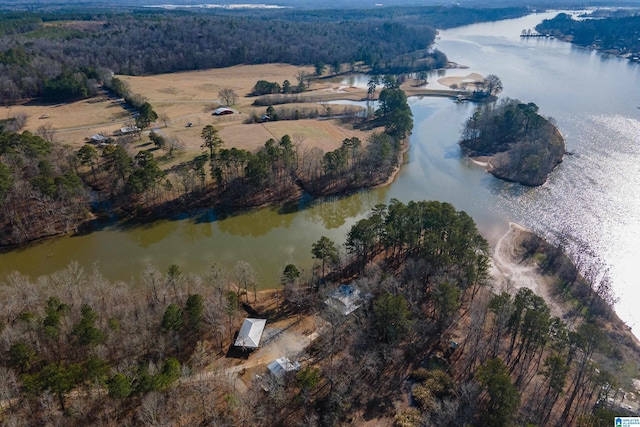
pixel 190 97
pixel 460 80
pixel 187 98
pixel 74 120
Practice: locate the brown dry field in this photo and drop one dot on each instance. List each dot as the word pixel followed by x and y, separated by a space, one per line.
pixel 74 120
pixel 190 97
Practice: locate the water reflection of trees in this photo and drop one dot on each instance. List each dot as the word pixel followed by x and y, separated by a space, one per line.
pixel 196 231
pixel 149 234
pixel 257 223
pixel 333 212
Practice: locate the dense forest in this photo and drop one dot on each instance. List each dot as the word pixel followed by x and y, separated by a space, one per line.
pixel 617 35
pixel 38 185
pixel 42 53
pixel 430 345
pixel 523 146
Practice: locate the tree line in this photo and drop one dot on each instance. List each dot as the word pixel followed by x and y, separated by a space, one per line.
pixel 614 34
pixel 142 44
pixel 63 56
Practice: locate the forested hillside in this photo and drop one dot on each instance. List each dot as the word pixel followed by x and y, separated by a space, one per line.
pixel 428 345
pixel 41 193
pixel 39 53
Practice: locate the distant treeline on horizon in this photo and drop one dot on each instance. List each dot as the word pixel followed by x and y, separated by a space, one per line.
pixel 69 51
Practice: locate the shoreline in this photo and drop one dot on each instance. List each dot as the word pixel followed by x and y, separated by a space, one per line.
pixel 483 161
pixel 512 269
pixel 396 170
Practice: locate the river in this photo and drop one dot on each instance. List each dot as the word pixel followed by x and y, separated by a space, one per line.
pixel 593 196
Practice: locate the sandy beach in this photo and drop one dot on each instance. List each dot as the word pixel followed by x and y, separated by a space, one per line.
pixel 460 80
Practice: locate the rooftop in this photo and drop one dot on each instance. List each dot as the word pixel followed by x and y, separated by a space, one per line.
pixel 250 333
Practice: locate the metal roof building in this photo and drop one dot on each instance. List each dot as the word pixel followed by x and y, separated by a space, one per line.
pixel 281 366
pixel 250 333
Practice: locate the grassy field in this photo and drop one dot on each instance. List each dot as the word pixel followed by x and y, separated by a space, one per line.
pixel 190 97
pixel 75 120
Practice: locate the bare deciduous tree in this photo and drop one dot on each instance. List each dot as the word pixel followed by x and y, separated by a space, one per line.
pixel 46 132
pixel 245 277
pixel 164 117
pixel 16 121
pixel 228 96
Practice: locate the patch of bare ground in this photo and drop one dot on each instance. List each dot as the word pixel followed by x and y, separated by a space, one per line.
pixel 460 80
pixel 512 271
pixel 440 87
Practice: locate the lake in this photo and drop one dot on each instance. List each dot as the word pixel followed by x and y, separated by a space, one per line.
pixel 593 196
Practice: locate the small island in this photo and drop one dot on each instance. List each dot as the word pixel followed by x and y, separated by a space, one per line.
pixel 513 141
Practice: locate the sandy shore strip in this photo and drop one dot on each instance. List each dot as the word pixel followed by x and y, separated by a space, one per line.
pixel 481 161
pixel 460 80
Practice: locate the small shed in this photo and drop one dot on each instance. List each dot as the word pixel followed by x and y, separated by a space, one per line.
pixel 346 299
pixel 250 333
pixel 98 138
pixel 281 366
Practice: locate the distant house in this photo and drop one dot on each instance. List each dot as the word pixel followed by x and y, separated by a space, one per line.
pixel 98 139
pixel 250 333
pixel 346 299
pixel 279 367
pixel 222 111
pixel 128 130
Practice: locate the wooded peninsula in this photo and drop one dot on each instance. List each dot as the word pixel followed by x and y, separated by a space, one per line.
pixel 521 145
pixel 613 32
